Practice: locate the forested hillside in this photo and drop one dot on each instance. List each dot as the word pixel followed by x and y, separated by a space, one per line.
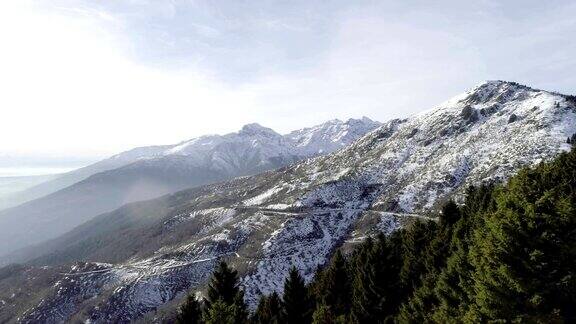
pixel 508 254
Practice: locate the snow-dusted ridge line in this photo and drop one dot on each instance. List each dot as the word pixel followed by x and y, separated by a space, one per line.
pixel 254 147
pixel 149 172
pixel 318 139
pixel 405 167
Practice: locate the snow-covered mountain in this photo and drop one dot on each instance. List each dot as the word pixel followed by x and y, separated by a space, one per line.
pixel 330 136
pixel 149 172
pixel 255 146
pixel 307 142
pixel 144 256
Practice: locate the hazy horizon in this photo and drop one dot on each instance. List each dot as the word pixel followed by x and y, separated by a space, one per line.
pixel 37 165
pixel 23 165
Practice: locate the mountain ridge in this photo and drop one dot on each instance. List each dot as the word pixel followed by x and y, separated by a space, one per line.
pixel 299 214
pixel 130 156
pixel 149 172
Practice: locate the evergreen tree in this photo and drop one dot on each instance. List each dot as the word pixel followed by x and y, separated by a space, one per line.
pixel 220 313
pixel 335 286
pixel 223 285
pixel 451 286
pixel 323 315
pixel 224 288
pixel 524 257
pixel 190 312
pixel 240 309
pixel 450 214
pixel 269 310
pixel 375 284
pixel 454 283
pixel 414 244
pixel 417 308
pixel 365 296
pixel 479 200
pixel 297 305
pixel 435 249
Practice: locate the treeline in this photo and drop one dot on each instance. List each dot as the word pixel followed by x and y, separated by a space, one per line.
pixel 508 254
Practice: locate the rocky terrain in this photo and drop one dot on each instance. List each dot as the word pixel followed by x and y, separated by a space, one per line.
pixel 138 261
pixel 150 172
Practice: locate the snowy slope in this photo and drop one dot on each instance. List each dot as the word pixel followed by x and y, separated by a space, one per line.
pixel 320 139
pixel 485 134
pixel 255 146
pixel 150 172
pixel 330 136
pixel 299 214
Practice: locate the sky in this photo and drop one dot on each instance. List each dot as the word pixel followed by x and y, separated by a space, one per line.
pixel 81 80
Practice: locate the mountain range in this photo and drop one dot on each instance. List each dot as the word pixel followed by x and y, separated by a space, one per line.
pixel 149 172
pixel 138 261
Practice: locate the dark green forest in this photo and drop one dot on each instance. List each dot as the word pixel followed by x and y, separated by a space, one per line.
pixel 507 254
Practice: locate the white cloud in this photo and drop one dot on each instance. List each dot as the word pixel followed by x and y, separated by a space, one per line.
pixel 66 86
pixel 90 77
pixel 377 68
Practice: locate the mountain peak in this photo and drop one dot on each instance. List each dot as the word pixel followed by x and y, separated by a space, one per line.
pixel 351 121
pixel 495 91
pixel 363 120
pixel 255 128
pixel 334 121
pixel 494 83
pixel 501 85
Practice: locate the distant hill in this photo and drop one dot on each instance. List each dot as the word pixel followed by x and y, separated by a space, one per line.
pixel 150 172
